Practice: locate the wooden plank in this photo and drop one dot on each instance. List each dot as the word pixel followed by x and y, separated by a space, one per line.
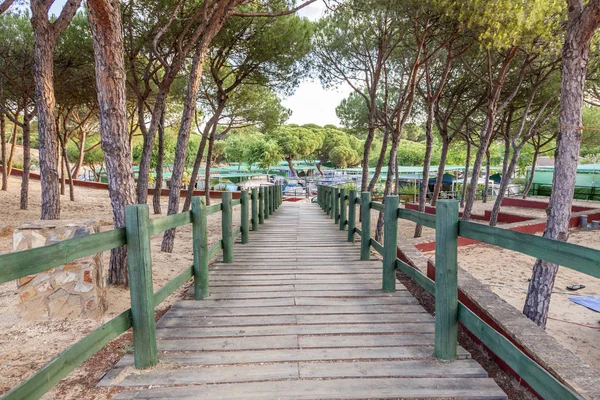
pixel 578 258
pixel 235 202
pixel 370 284
pixel 215 208
pixel 200 332
pixel 297 310
pixel 420 278
pixel 215 249
pixel 228 344
pixel 200 248
pixel 377 246
pixel 374 340
pixel 244 216
pixel 254 198
pixel 173 285
pixel 170 321
pixel 261 205
pixel 289 355
pixel 139 262
pixel 424 219
pixel 377 205
pixel 196 376
pixel 420 368
pixel 390 248
pixel 235 303
pixel 44 379
pixel 27 262
pixel 376 388
pixel 343 219
pixel 446 279
pixel 292 293
pixel 540 380
pixel 351 215
pixel 371 318
pixel 326 301
pixel 172 221
pixel 365 235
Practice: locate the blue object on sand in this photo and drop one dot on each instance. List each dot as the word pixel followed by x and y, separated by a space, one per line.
pixel 591 302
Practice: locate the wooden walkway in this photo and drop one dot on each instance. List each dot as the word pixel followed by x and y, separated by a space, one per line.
pixel 298 316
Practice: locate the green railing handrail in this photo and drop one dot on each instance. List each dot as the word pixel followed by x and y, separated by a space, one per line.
pixel 136 236
pixel 449 311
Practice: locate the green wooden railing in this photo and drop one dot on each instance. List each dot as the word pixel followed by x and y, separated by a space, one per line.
pixel 448 310
pixel 136 236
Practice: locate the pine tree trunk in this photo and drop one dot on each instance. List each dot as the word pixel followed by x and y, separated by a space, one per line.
pixel 24 200
pixel 68 169
pixel 107 36
pixel 389 180
pixel 43 73
pixel 510 169
pixel 290 161
pixel 466 175
pixel 486 185
pixel 4 155
pixel 62 174
pixel 426 164
pixel 159 166
pixel 211 141
pixel 367 151
pixel 476 171
pixel 196 168
pixel 183 139
pixel 148 146
pixel 379 166
pixel 533 165
pixel 575 55
pixel 77 167
pixel 441 170
pixel 13 146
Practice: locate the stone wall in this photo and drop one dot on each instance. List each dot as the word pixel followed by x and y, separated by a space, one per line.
pixel 73 290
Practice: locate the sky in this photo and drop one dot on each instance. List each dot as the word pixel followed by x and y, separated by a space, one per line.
pixel 310 103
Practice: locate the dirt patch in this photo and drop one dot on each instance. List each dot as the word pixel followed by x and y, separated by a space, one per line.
pixel 507 383
pixel 25 347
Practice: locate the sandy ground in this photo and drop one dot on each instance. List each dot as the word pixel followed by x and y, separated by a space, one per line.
pixel 27 346
pixel 507 273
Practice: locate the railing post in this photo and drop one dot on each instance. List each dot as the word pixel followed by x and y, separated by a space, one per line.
pixel 261 205
pixel 351 215
pixel 139 262
pixel 244 215
pixel 267 201
pixel 272 196
pixel 336 205
pixel 342 209
pixel 328 201
pixel 390 243
pixel 254 197
pixel 200 245
pixel 226 227
pixel 446 279
pixel 365 217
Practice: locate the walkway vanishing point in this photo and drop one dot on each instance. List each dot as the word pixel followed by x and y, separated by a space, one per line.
pixel 298 316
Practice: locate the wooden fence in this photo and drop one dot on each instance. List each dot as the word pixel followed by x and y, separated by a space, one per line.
pixel 448 310
pixel 136 236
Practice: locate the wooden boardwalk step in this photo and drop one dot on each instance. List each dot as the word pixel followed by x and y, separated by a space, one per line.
pixel 354 388
pixel 298 315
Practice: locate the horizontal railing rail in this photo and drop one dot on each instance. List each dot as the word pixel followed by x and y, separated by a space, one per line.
pixel 448 310
pixel 136 236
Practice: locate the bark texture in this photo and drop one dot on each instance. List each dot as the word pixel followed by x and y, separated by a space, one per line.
pixel 187 118
pixel 106 27
pixel 45 35
pixel 581 25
